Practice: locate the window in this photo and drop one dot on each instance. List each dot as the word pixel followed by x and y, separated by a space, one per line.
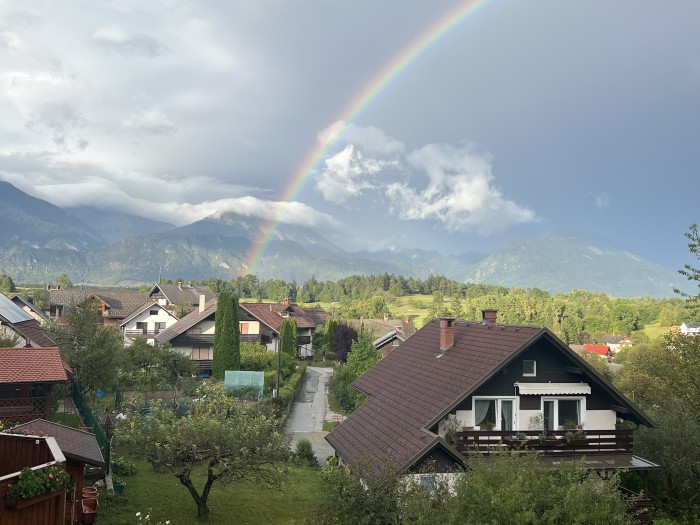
pixel 529 368
pixel 143 327
pixel 494 412
pixel 194 331
pixel 200 354
pixel 153 312
pixel 159 327
pixel 243 327
pixel 285 313
pixel 559 412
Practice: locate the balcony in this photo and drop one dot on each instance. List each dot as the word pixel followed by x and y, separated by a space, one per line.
pixel 558 442
pixel 142 333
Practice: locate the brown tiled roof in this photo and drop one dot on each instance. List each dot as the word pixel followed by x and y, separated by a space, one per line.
pixel 33 333
pixel 31 365
pixel 271 314
pixel 411 387
pixel 186 322
pixel 121 303
pixel 75 444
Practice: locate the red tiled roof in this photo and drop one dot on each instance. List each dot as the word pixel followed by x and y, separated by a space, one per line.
pixel 75 444
pixel 411 387
pixel 31 365
pixel 597 349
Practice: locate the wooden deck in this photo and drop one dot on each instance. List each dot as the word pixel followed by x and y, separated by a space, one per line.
pixel 556 442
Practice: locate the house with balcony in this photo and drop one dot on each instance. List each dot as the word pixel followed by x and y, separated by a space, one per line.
pixel 146 322
pixel 261 322
pixel 498 386
pixel 27 378
pixel 193 336
pixel 690 329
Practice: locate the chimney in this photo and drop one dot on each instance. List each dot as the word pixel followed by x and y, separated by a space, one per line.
pixel 447 333
pixel 189 284
pixel 489 316
pixel 202 300
pixel 48 287
pixel 286 301
pixel 179 285
pixel 407 319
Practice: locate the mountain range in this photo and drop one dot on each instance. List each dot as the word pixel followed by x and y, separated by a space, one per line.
pixel 39 240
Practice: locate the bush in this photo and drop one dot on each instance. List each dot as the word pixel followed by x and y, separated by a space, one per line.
pixel 305 452
pixel 289 390
pixel 121 466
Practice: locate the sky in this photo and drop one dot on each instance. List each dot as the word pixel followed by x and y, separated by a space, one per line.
pixel 526 118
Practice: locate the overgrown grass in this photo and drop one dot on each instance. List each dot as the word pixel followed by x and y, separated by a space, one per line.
pixel 162 496
pixel 67 419
pixel 334 405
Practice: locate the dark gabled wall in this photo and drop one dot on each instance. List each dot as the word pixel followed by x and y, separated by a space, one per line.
pixel 551 367
pixel 437 460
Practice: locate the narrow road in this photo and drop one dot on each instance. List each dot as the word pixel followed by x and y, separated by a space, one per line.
pixel 310 410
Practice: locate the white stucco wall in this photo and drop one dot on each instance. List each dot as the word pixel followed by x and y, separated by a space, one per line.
pixel 601 419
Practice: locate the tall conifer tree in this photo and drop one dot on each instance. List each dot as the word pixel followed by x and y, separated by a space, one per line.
pixel 227 344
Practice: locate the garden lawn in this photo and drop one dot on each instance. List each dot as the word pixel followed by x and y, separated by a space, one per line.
pixel 654 331
pixel 162 496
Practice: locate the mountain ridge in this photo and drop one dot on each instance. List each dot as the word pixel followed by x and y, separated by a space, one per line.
pixel 46 240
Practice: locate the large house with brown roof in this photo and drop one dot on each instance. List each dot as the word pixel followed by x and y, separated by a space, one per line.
pixel 193 335
pixel 261 322
pixel 27 378
pixel 493 383
pixel 114 305
pixel 147 321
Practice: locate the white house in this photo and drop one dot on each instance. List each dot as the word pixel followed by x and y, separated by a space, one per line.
pixel 147 321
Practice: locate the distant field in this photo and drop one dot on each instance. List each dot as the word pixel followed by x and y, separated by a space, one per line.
pixel 654 331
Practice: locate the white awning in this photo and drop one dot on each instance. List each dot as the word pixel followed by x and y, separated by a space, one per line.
pixel 550 389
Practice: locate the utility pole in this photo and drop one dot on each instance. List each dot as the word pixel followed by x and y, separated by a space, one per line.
pixel 279 361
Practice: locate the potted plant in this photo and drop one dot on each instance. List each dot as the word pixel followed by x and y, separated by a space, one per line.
pixel 118 485
pixel 34 485
pixel 487 425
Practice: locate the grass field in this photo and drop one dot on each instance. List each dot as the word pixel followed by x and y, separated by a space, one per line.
pixel 654 331
pixel 162 496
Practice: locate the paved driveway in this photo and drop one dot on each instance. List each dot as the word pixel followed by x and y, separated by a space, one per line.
pixel 310 410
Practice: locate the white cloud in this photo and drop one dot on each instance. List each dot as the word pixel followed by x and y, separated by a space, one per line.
pixel 62 122
pixel 460 192
pixel 372 140
pixel 151 121
pixel 179 201
pixel 347 174
pixel 114 38
pixel 601 200
pixel 12 42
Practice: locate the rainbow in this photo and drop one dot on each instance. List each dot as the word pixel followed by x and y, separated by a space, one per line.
pixel 357 105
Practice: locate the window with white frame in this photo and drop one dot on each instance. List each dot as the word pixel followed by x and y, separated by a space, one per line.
pixel 498 413
pixel 529 368
pixel 562 411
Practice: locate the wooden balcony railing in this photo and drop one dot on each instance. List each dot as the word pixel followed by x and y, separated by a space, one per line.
pixel 558 442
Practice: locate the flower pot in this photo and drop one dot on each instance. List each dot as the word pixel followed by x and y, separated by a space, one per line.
pixel 119 487
pixel 20 503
